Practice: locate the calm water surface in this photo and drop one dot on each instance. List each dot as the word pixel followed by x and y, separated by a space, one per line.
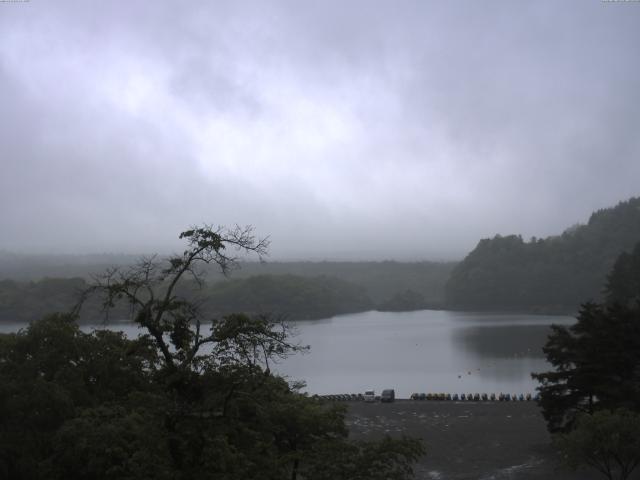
pixel 423 351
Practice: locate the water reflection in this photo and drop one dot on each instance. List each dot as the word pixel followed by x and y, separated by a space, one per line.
pixel 507 341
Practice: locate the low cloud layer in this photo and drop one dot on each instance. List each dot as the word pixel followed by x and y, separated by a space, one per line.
pixel 359 130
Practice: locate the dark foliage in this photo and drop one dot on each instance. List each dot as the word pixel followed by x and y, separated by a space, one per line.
pixel 597 365
pixel 607 441
pixel 288 296
pixel 623 283
pixel 27 301
pixel 188 400
pixel 405 301
pixel 380 280
pixel 99 406
pixel 292 296
pixel 555 274
pixel 597 360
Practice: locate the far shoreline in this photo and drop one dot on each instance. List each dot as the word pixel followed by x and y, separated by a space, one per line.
pixel 284 317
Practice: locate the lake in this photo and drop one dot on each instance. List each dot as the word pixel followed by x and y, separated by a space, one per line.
pixel 422 351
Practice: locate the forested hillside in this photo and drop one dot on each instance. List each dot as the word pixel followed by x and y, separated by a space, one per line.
pixel 381 280
pixel 552 274
pixel 290 296
pixel 294 296
pixel 296 289
pixel 27 301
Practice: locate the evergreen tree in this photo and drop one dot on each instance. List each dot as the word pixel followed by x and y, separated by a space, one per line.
pixel 596 365
pixel 597 360
pixel 623 283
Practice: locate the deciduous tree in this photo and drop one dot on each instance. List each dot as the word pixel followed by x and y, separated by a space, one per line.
pixel 608 441
pixel 192 398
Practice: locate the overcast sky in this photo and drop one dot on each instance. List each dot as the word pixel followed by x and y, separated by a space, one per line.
pixel 342 129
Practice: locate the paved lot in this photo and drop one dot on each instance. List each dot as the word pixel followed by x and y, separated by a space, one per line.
pixel 468 440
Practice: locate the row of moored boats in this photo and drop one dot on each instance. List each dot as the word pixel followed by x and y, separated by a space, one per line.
pixel 475 397
pixel 442 397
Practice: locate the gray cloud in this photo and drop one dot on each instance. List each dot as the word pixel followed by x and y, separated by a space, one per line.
pixel 342 129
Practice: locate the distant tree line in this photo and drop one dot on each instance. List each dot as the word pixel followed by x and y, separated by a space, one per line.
pixel 552 274
pixel 282 295
pixel 291 296
pixel 381 280
pixel 294 296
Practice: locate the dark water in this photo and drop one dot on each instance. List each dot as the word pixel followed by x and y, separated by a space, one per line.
pixel 424 351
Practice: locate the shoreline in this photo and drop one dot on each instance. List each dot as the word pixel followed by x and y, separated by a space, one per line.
pixel 311 317
pixel 467 440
